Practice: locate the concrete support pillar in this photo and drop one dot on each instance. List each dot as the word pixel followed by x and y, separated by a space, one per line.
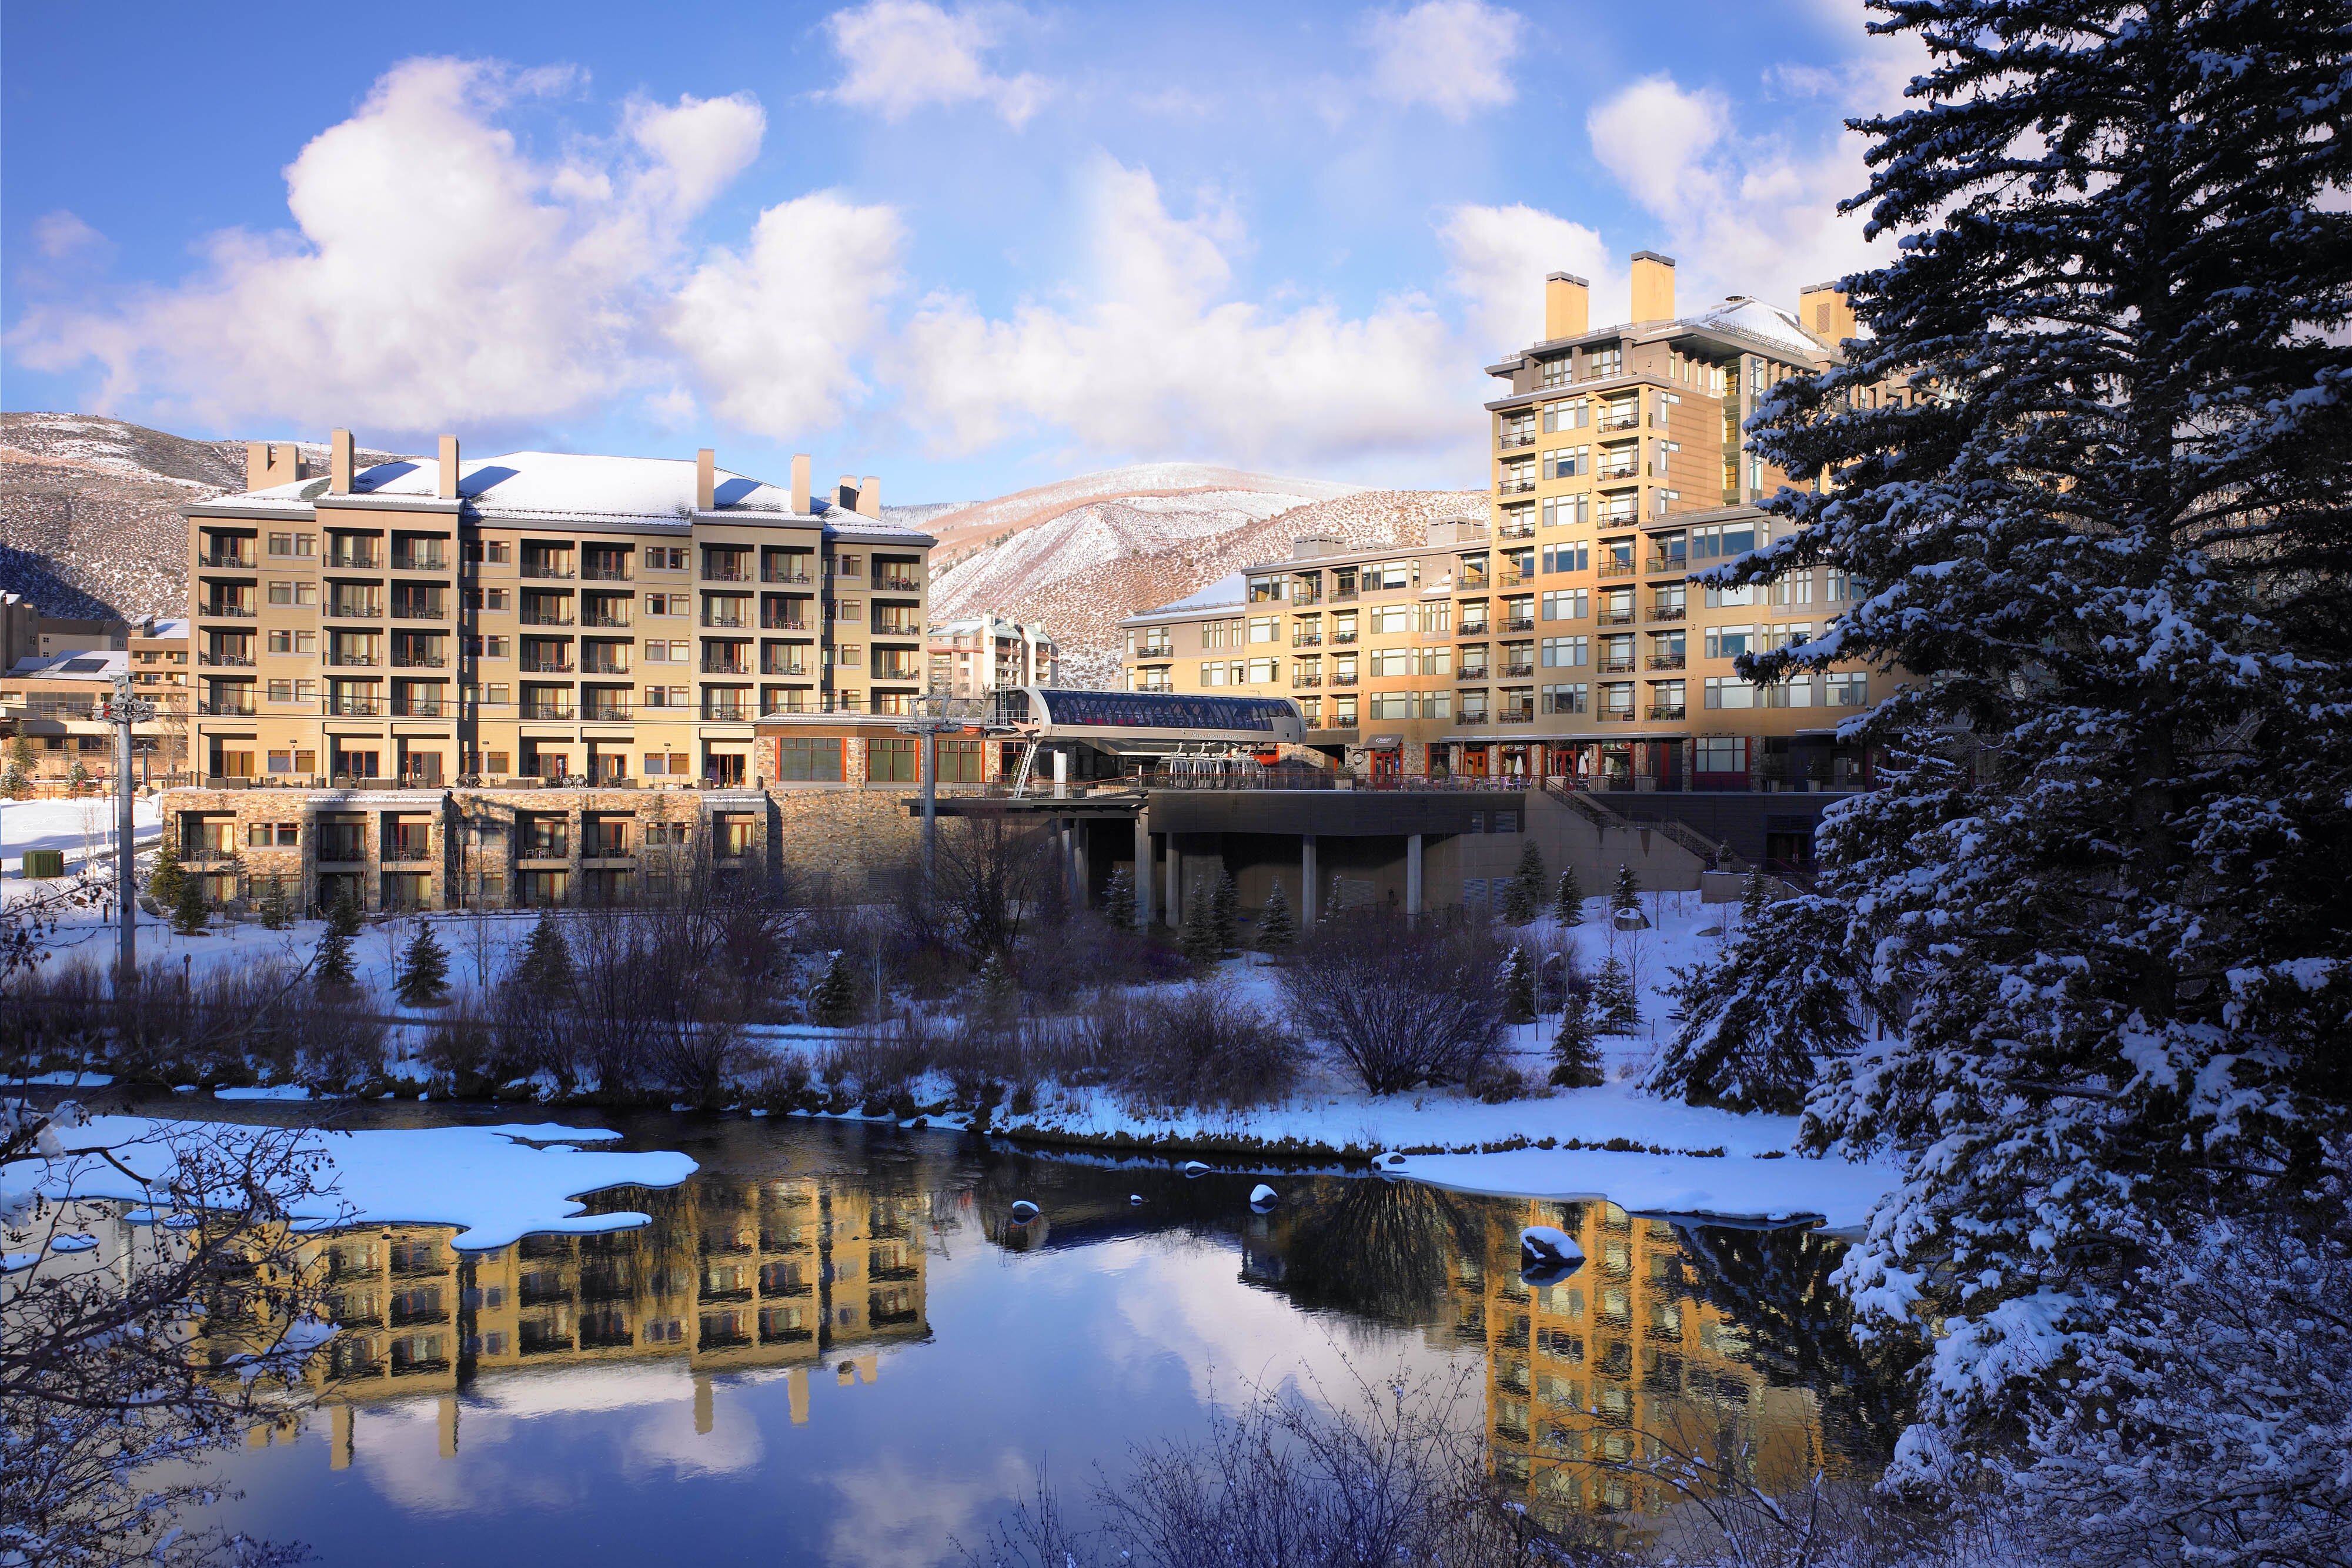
pixel 338 1449
pixel 1412 879
pixel 1061 773
pixel 449 1423
pixel 1143 869
pixel 1175 884
pixel 1309 882
pixel 1081 881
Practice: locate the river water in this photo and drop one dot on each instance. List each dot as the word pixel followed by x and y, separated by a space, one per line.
pixel 833 1345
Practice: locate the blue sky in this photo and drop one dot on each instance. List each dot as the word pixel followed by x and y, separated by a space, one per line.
pixel 966 249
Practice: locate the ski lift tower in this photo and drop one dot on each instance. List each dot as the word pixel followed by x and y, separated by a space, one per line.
pixel 934 713
pixel 125 709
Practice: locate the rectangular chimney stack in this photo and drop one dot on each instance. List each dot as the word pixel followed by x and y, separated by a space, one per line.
pixel 1653 286
pixel 844 495
pixel 449 466
pixel 269 464
pixel 800 483
pixel 706 479
pixel 339 463
pixel 1568 306
pixel 869 497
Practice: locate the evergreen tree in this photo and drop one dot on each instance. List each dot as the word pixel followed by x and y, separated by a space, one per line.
pixel 1276 929
pixel 18 782
pixel 191 909
pixel 1618 1010
pixel 424 977
pixel 163 880
pixel 1198 937
pixel 1575 1052
pixel 545 969
pixel 333 966
pixel 2100 897
pixel 1118 900
pixel 1756 1020
pixel 1518 987
pixel 1568 900
pixel 833 1003
pixel 1523 898
pixel 277 909
pixel 996 995
pixel 1225 913
pixel 1625 897
pixel 78 780
pixel 1330 910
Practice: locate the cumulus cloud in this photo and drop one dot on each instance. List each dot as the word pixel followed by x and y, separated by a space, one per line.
pixel 771 330
pixel 1453 56
pixel 436 274
pixel 906 55
pixel 1149 356
pixel 1500 256
pixel 62 234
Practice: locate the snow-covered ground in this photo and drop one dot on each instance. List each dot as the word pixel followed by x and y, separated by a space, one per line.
pixel 494 1183
pixel 80 828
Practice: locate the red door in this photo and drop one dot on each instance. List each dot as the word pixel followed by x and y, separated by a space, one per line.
pixel 1388 766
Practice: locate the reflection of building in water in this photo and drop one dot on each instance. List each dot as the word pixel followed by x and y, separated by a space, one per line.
pixel 1594 1379
pixel 731 1275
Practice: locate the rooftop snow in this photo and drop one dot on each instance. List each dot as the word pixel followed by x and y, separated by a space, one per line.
pixel 1233 589
pixel 80 665
pixel 1755 319
pixel 531 485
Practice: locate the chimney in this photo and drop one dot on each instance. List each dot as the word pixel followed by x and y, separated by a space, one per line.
pixel 1653 286
pixel 844 495
pixel 448 468
pixel 1568 306
pixel 869 497
pixel 1824 310
pixel 339 463
pixel 800 483
pixel 268 464
pixel 706 479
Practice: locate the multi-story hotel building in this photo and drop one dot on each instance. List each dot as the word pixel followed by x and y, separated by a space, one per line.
pixel 53 696
pixel 1563 633
pixel 992 652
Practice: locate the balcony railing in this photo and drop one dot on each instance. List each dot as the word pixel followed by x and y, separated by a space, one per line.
pixel 1516 531
pixel 418 662
pixel 1615 618
pixel 407 846
pixel 1618 422
pixel 1303 682
pixel 606 710
pixel 1666 710
pixel 1669 563
pixel 1516 715
pixel 1614 568
pixel 606 618
pixel 800 576
pixel 1615 473
pixel 352 660
pixel 1667 612
pixel 798 672
pixel 1616 666
pixel 1475 629
pixel 604 668
pixel 419 609
pixel 355 609
pixel 782 623
pixel 547 571
pixel 226 562
pixel 544 847
pixel 547 707
pixel 1343 596
pixel 594 573
pixel 547 666
pixel 726 666
pixel 1512 440
pixel 234 661
pixel 1517 623
pixel 1515 487
pixel 546 618
pixel 1342 639
pixel 726 623
pixel 1307 639
pixel 226 707
pixel 1343 680
pixel 224 611
pixel 897 584
pixel 1615 716
pixel 355 560
pixel 431 561
pixel 1465 717
pixel 354 708
pixel 897 629
pixel 896 673
pixel 722 571
pixel 1515 672
pixel 1471 673
pixel 420 707
pixel 1666 662
pixel 1470 578
pixel 731 711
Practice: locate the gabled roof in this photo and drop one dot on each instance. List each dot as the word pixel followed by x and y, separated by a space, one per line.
pixel 569 487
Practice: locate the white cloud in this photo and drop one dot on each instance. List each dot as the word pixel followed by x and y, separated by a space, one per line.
pixel 436 275
pixel 771 331
pixel 62 234
pixel 1152 359
pixel 1500 255
pixel 1453 56
pixel 906 55
pixel 1743 214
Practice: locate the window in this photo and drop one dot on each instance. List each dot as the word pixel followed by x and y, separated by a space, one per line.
pixel 497 552
pixel 1391 705
pixel 803 760
pixel 1391 662
pixel 1566 558
pixel 1393 618
pixel 1839 587
pixel 1433 704
pixel 282 641
pixel 1264 671
pixel 1391 574
pixel 1434 662
pixel 293 593
pixel 1729 641
pixel 1266 589
pixel 1565 653
pixel 1574 413
pixel 1343 712
pixel 963 761
pixel 1262 628
pixel 666 558
pixel 890 762
pixel 1724 692
pixel 1568 604
pixel 296 545
pixel 1720 754
pixel 1567 462
pixel 1557 372
pixel 1733 598
pixel 1849 688
pixel 1604 362
pixel 1565 699
pixel 1566 511
pixel 1664 502
pixel 1437 617
pixel 1797 691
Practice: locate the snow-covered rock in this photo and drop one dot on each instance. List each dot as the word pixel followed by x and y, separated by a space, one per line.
pixel 1195 1168
pixel 1023 1210
pixel 1549 1247
pixel 1264 1197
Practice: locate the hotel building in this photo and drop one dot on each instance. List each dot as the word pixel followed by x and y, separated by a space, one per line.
pixel 1563 634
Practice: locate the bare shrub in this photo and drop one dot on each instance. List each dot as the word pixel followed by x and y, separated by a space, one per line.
pixel 1395 1474
pixel 1190 1046
pixel 1404 1005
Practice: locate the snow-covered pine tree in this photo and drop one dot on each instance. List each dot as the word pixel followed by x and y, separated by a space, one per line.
pixel 1523 898
pixel 1118 900
pixel 1625 894
pixel 163 879
pixel 1756 1018
pixel 332 968
pixel 1225 913
pixel 276 909
pixel 1198 938
pixel 1568 900
pixel 1275 928
pixel 1615 1008
pixel 78 780
pixel 424 977
pixel 833 1003
pixel 1575 1053
pixel 2090 470
pixel 1518 985
pixel 18 783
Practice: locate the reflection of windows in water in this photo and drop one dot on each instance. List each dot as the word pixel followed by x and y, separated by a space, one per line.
pixel 1615 1494
pixel 1561 1391
pixel 1666 1322
pixel 1724 1338
pixel 1559 1484
pixel 1616 1404
pixel 1511 1468
pixel 1560 1439
pixel 1511 1373
pixel 1617 1258
pixel 1664 1371
pixel 1563 1301
pixel 1615 1306
pixel 1562 1345
pixel 1617 1360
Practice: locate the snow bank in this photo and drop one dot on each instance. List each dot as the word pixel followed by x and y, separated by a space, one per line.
pixel 496 1185
pixel 1739 1187
pixel 77 827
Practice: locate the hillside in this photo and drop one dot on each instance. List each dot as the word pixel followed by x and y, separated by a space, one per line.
pixel 88 527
